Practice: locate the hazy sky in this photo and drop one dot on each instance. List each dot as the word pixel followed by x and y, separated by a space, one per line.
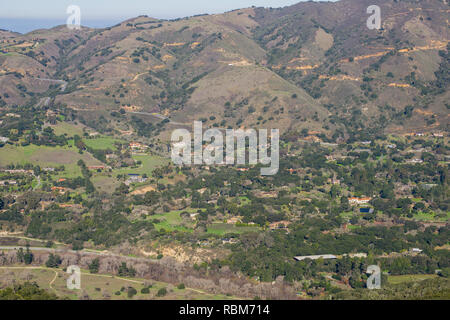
pixel 27 15
pixel 113 9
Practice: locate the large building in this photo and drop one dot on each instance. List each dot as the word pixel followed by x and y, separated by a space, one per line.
pixel 315 257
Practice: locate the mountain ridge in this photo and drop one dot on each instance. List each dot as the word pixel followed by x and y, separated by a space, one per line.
pixel 313 66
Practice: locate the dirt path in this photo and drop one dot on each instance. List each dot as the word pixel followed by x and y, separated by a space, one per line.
pixel 53 280
pixel 138 75
pixel 56 271
pixel 38 268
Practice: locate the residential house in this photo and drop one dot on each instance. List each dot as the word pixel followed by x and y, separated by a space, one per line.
pixel 135 178
pixel 126 132
pixel 137 146
pixel 61 190
pixel 193 215
pixel 354 200
pixel 19 171
pixel 234 220
pixel 356 255
pixel 415 161
pixel 8 182
pixel 279 225
pixel 335 180
pixel 315 257
pixel 13 115
pixel 229 241
pixel 111 156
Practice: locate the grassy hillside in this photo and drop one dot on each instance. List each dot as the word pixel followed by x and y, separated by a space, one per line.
pixel 243 68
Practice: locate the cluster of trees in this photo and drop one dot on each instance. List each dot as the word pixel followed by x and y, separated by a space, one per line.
pixel 53 261
pixel 31 119
pixel 26 291
pixel 125 271
pixel 87 175
pixel 268 255
pixel 47 137
pixel 25 256
pixel 431 289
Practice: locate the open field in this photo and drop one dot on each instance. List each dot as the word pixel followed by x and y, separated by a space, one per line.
pixel 172 221
pixel 410 278
pixel 99 286
pixel 149 163
pixel 47 157
pixel 14 241
pixel 43 155
pixel 431 216
pixel 347 215
pixel 102 143
pixel 224 228
pixel 103 182
pixel 64 128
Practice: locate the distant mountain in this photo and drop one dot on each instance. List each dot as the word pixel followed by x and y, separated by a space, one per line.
pixel 314 65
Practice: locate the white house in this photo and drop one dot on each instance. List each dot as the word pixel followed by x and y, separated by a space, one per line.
pixel 315 257
pixel 354 200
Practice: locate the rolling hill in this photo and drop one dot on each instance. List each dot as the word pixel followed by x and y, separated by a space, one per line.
pixel 314 65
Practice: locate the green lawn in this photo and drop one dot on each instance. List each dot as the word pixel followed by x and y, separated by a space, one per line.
pixel 224 228
pixel 410 278
pixel 244 200
pixel 102 143
pixel 431 216
pixel 47 157
pixel 43 155
pixel 347 215
pixel 149 163
pixel 11 154
pixel 103 182
pixel 67 128
pixel 172 221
